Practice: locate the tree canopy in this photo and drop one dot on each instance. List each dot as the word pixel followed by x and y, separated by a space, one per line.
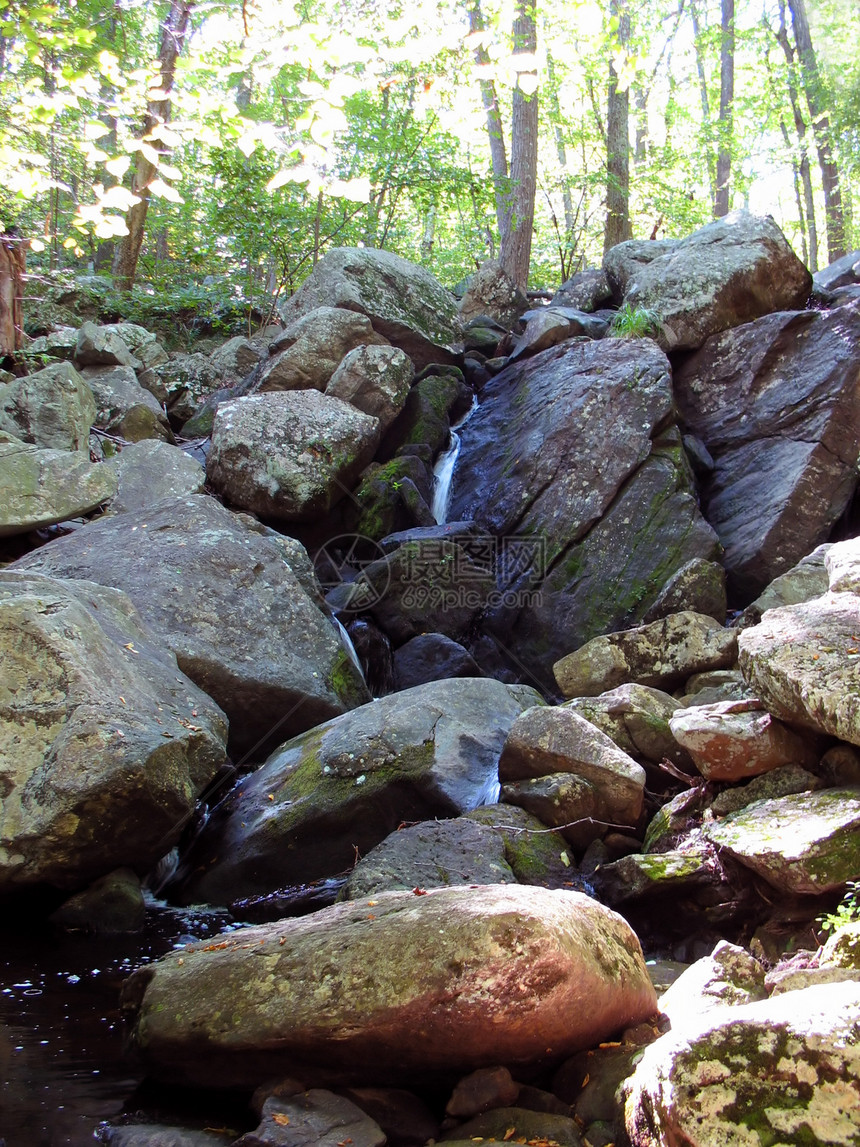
pixel 242 140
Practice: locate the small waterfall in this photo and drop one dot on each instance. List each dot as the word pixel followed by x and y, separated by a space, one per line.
pixel 443 471
pixel 346 641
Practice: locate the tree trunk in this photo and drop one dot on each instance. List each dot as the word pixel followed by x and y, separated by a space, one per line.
pixel 703 92
pixel 727 92
pixel 173 33
pixel 495 131
pixel 813 87
pixel 618 141
pixel 800 129
pixel 516 235
pixel 13 266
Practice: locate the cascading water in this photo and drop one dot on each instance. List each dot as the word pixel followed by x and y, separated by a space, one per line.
pixel 443 471
pixel 346 641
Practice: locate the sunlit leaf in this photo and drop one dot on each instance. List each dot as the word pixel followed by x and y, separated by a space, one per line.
pixel 164 191
pixel 37 245
pixel 119 166
pixel 118 197
pixel 527 82
pixel 95 130
pixel 356 190
pixel 247 144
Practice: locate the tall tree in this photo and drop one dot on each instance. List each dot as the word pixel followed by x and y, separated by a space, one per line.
pixel 813 87
pixel 173 33
pixel 727 94
pixel 618 226
pixel 495 130
pixel 800 128
pixel 518 223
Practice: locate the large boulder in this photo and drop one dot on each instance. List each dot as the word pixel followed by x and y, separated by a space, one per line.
pixel 125 408
pixel 736 740
pixel 405 304
pixel 802 661
pixel 53 408
pixel 41 487
pixel 151 471
pixel 591 502
pixel 426 986
pixel 728 272
pixel 662 654
pixel 218 589
pixel 330 795
pixel 776 403
pixel 784 1070
pixel 375 380
pixel 106 744
pixel 553 739
pixel 312 347
pixel 289 456
pixel 807 843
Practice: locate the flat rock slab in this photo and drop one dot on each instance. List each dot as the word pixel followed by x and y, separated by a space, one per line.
pixel 218 589
pixel 803 661
pixel 784 1070
pixel 104 744
pixel 806 843
pixel 407 985
pixel 314 1118
pixel 41 487
pixel 663 654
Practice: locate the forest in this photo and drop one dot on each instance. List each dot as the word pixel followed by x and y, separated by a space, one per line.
pixel 202 148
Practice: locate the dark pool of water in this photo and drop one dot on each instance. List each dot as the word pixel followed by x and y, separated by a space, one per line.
pixel 62 1071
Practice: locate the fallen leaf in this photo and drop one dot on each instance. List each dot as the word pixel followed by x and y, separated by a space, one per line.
pixel 419 891
pixel 281 1119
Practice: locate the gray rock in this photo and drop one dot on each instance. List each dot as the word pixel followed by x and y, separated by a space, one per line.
pixel 105 743
pixel 807 843
pixel 636 718
pixel 192 568
pixel 53 409
pixel 535 854
pixel 841 273
pixel 112 904
pixel 312 347
pixel 100 346
pixel 341 788
pixel 40 487
pixel 184 382
pixel 525 1125
pixel 774 401
pixel 491 292
pixel 237 357
pixel 585 290
pixel 728 272
pixel 405 304
pixel 432 854
pixel 547 739
pixel 152 471
pixel 289 456
pixel 728 977
pixel 714 686
pixel 783 1070
pixel 432 657
pixel 802 661
pixel 161 1135
pixel 375 380
pixel 842 561
pixel 698 585
pixel 592 514
pixel 124 407
pixel 314 1118
pixel 662 654
pixel 476 977
pixel 781 782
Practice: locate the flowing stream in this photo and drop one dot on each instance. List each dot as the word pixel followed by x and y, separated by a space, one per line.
pixel 443 471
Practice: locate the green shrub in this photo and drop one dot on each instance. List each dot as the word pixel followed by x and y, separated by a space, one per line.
pixel 631 322
pixel 847 912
